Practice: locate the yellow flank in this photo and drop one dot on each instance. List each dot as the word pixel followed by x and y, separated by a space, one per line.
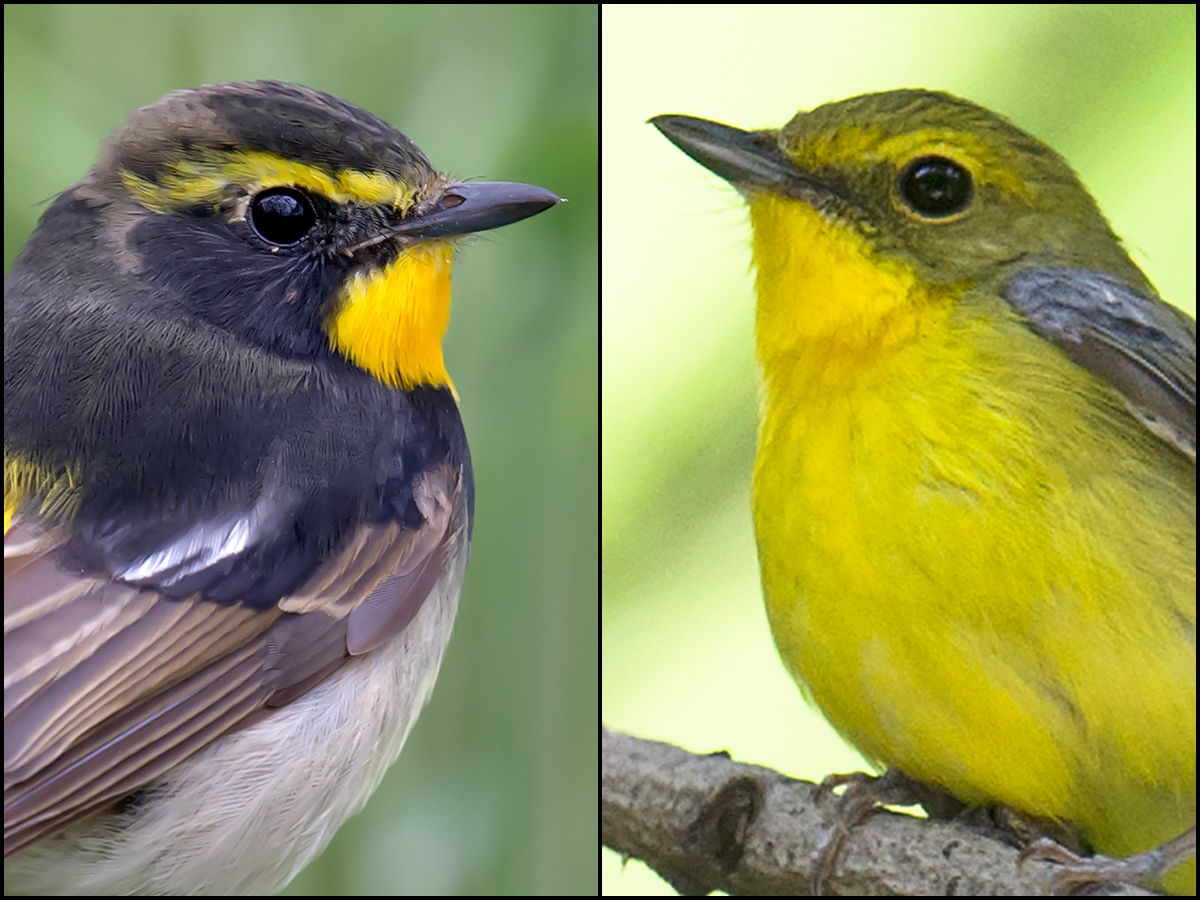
pixel 391 321
pixel 58 486
pixel 978 561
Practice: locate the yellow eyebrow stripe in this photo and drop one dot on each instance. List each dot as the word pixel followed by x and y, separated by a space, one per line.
pixel 208 180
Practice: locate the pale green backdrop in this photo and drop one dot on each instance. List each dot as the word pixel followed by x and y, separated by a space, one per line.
pixel 687 655
pixel 495 792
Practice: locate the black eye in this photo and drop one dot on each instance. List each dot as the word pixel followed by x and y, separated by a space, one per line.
pixel 934 186
pixel 282 215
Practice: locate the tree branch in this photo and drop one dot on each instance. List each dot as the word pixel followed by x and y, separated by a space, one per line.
pixel 706 823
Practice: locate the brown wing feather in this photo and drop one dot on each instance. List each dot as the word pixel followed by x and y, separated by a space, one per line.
pixel 108 686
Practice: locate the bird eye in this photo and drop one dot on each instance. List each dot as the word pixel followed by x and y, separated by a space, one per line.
pixel 282 215
pixel 936 187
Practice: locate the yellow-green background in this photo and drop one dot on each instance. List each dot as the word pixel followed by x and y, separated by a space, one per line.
pixel 687 655
pixel 495 792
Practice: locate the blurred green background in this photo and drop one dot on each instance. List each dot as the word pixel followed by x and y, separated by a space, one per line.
pixel 687 656
pixel 495 792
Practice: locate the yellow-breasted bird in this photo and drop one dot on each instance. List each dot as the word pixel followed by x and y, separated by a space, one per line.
pixel 238 494
pixel 975 491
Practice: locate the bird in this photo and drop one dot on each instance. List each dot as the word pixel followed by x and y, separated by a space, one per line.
pixel 974 492
pixel 238 489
